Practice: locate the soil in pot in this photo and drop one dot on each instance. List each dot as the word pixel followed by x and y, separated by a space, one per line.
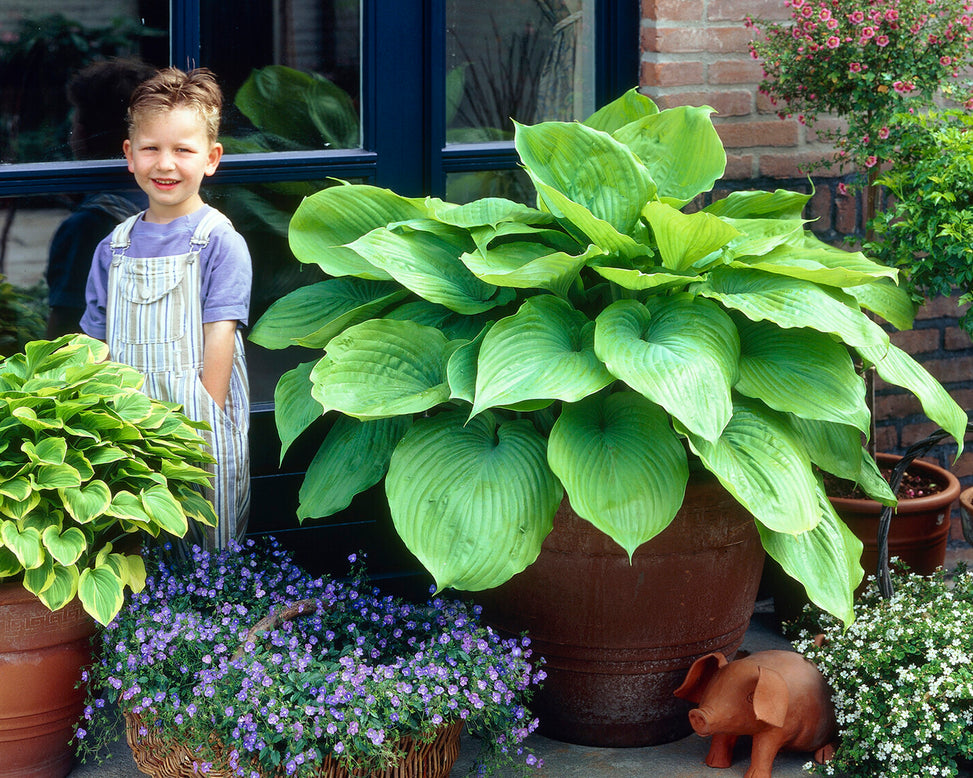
pixel 618 638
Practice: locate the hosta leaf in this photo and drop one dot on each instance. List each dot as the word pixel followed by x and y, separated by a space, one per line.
pixel 562 364
pixel 524 265
pixel 897 367
pixel 312 315
pixel 62 588
pixel 294 407
pixel 37 579
pixel 621 464
pixel 824 559
pixel 383 368
pixel 352 458
pixel 684 238
pixel 17 489
pixel 100 590
pixel 88 502
pixel 66 547
pixel 630 107
pixel 821 264
pixel 195 506
pixel 328 220
pixel 164 510
pixel 134 407
pixel 680 148
pixel 125 505
pixel 56 477
pixel 17 509
pixel 9 564
pixel 25 545
pixel 588 167
pixel 461 368
pixel 888 300
pixel 488 211
pixel 779 204
pixel 681 353
pixel 762 463
pixel 801 371
pixel 638 280
pixel 473 501
pixel 791 302
pixel 48 451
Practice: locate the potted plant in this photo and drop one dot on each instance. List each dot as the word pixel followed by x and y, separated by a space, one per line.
pixel 88 463
pixel 241 663
pixel 488 358
pixel 901 678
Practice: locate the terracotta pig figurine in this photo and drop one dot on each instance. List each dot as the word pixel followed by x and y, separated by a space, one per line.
pixel 777 697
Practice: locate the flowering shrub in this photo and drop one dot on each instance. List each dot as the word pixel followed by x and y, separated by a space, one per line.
pixel 347 681
pixel 927 229
pixel 864 60
pixel 902 676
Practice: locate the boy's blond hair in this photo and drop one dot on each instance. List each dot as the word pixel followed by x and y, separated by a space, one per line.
pixel 172 88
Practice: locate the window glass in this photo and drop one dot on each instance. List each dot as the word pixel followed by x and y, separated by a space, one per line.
pixel 511 184
pixel 290 71
pixel 46 53
pixel 527 60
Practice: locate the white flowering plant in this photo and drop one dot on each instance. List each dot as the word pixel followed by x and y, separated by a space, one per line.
pixel 342 685
pixel 902 676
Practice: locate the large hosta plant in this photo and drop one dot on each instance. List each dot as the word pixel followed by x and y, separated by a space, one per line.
pixel 87 464
pixel 486 358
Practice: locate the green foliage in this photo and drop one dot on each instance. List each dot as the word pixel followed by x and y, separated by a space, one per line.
pixel 902 679
pixel 22 316
pixel 927 229
pixel 87 461
pixel 585 345
pixel 862 60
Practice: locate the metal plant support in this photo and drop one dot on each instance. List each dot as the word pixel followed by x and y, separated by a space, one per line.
pixel 916 450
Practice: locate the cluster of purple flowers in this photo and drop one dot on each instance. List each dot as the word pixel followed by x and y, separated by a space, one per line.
pixel 346 681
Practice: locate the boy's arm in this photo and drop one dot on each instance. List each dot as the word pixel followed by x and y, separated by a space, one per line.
pixel 218 343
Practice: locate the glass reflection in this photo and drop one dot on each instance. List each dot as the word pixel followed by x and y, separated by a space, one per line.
pixel 530 61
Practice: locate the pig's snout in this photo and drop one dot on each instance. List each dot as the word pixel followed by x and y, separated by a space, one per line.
pixel 700 722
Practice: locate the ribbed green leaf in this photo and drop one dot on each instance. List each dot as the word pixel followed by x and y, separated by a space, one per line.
pixel 684 238
pixel 461 368
pixel 589 167
pixel 765 467
pixel 779 204
pixel 824 559
pixel 680 352
pixel 25 545
pixel 427 261
pixel 680 148
pixel 821 264
pixel 66 547
pixel 473 501
pixel 164 510
pixel 621 464
pixel 630 107
pixel 328 220
pixel 62 589
pixel 487 211
pixel 100 590
pixel 792 302
pixel 48 451
pixel 312 315
pixel 353 457
pixel 39 578
pixel 88 502
pixel 897 367
pixel 885 298
pixel 294 407
pixel 801 371
pixel 383 368
pixel 562 364
pixel 525 265
pixel 56 477
pixel 638 280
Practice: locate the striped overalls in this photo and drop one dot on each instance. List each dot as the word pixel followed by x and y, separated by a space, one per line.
pixel 154 324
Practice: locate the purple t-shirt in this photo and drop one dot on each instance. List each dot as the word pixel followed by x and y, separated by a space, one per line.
pixel 225 263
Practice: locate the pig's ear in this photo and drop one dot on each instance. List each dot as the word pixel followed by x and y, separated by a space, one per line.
pixel 699 676
pixel 770 697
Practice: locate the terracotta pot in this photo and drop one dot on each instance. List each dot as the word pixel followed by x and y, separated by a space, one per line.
pixel 41 658
pixel 618 638
pixel 966 513
pixel 920 525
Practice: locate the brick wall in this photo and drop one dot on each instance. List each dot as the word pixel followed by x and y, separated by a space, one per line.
pixel 694 52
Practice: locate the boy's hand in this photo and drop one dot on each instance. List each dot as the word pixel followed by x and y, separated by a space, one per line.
pixel 218 343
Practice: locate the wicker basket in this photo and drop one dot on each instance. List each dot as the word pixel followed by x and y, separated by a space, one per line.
pixel 166 757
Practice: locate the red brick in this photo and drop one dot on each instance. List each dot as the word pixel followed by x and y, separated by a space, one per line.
pixel 916 341
pixel 949 370
pixel 792 165
pixel 673 73
pixel 740 135
pixel 819 209
pixel 964 465
pixel 956 339
pixel 846 220
pixel 735 71
pixel 886 438
pixel 938 307
pixel 683 40
pixel 728 103
pixel 737 10
pixel 672 10
pixel 739 167
pixel 913 433
pixel 896 406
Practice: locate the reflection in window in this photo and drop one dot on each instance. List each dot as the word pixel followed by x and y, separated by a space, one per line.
pixel 530 60
pixel 511 184
pixel 290 70
pixel 42 53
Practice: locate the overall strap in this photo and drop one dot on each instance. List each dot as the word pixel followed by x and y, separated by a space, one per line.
pixel 121 235
pixel 210 220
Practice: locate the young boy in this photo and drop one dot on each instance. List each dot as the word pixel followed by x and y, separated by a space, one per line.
pixel 170 287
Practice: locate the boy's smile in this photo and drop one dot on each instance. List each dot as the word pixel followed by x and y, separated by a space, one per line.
pixel 169 154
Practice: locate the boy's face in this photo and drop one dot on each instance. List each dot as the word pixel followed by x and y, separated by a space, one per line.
pixel 170 154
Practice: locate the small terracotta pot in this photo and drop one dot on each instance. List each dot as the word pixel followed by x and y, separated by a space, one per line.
pixel 41 658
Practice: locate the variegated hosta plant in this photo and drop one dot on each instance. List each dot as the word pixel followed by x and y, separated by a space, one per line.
pixel 486 358
pixel 86 462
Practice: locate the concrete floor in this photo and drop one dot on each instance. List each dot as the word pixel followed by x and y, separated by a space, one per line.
pixel 682 759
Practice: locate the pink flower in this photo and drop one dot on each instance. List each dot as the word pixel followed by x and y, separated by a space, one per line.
pixel 945 60
pixel 903 87
pixel 891 15
pixel 855 67
pixel 807 12
pixel 868 32
pixel 883 133
pixel 824 14
pixel 842 188
pixel 871 160
pixel 834 42
pixel 882 40
pixel 856 17
pixel 832 24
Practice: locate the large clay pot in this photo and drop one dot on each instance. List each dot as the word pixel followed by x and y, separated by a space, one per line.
pixel 618 638
pixel 41 658
pixel 920 526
